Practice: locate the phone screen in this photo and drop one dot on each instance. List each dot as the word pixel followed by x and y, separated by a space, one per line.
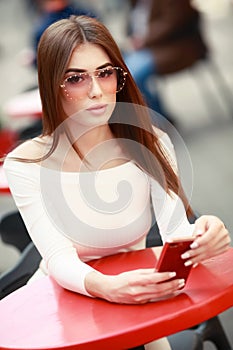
pixel 170 258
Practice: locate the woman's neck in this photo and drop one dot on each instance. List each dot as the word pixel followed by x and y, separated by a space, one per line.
pixel 91 139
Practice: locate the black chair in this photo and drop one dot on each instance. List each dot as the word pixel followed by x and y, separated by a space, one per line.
pixel 194 338
pixel 19 275
pixel 185 340
pixel 13 231
pixel 212 331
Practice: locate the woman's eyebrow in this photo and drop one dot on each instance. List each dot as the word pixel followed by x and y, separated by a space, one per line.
pixel 79 70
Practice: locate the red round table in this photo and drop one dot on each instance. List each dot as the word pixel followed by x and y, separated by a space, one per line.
pixel 8 139
pixel 43 315
pixel 4 188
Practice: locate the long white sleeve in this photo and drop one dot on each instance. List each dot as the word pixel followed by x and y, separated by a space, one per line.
pixel 169 210
pixel 170 213
pixel 58 252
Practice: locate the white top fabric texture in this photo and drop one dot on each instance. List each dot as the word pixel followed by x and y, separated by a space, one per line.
pixel 75 217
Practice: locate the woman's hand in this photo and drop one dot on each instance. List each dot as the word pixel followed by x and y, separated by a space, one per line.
pixel 212 238
pixel 133 287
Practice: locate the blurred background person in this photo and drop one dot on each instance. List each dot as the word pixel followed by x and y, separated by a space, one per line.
pixel 164 38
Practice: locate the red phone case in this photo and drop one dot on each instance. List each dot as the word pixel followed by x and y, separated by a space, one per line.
pixel 170 258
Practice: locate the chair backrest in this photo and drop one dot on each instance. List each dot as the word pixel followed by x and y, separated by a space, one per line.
pixel 19 275
pixel 13 231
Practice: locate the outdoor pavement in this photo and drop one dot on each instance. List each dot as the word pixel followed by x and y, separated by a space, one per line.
pixel 204 119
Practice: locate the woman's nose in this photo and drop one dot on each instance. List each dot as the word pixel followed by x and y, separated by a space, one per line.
pixel 94 88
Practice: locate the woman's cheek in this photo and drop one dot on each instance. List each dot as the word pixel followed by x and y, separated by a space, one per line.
pixel 70 107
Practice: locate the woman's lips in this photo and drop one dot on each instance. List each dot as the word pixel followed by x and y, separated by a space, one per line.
pixel 97 109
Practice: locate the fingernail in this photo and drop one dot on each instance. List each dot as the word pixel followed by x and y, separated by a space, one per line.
pixel 181 283
pixel 194 245
pixel 195 265
pixel 188 263
pixel 172 274
pixel 185 256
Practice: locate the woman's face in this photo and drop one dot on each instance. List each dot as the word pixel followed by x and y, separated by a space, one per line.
pixel 88 91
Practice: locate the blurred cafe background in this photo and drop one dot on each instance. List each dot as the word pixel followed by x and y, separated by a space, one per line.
pixel 199 99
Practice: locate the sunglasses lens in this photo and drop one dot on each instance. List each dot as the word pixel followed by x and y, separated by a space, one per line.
pixel 121 79
pixel 110 80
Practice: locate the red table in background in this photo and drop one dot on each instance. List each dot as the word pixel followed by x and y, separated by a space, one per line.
pixel 4 188
pixel 27 104
pixel 43 315
pixel 8 139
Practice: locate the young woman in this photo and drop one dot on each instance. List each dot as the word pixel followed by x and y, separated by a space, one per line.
pixel 86 186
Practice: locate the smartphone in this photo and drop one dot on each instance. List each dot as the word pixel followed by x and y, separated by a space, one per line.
pixel 170 258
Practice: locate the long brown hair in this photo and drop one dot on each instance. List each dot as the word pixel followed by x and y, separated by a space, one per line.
pixel 54 52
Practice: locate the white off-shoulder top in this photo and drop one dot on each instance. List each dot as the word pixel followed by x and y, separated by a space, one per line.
pixel 73 217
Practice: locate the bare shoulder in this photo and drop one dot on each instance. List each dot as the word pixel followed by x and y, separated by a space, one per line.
pixel 30 149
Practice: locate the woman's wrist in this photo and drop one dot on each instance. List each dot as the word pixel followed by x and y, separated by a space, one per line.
pixel 96 284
